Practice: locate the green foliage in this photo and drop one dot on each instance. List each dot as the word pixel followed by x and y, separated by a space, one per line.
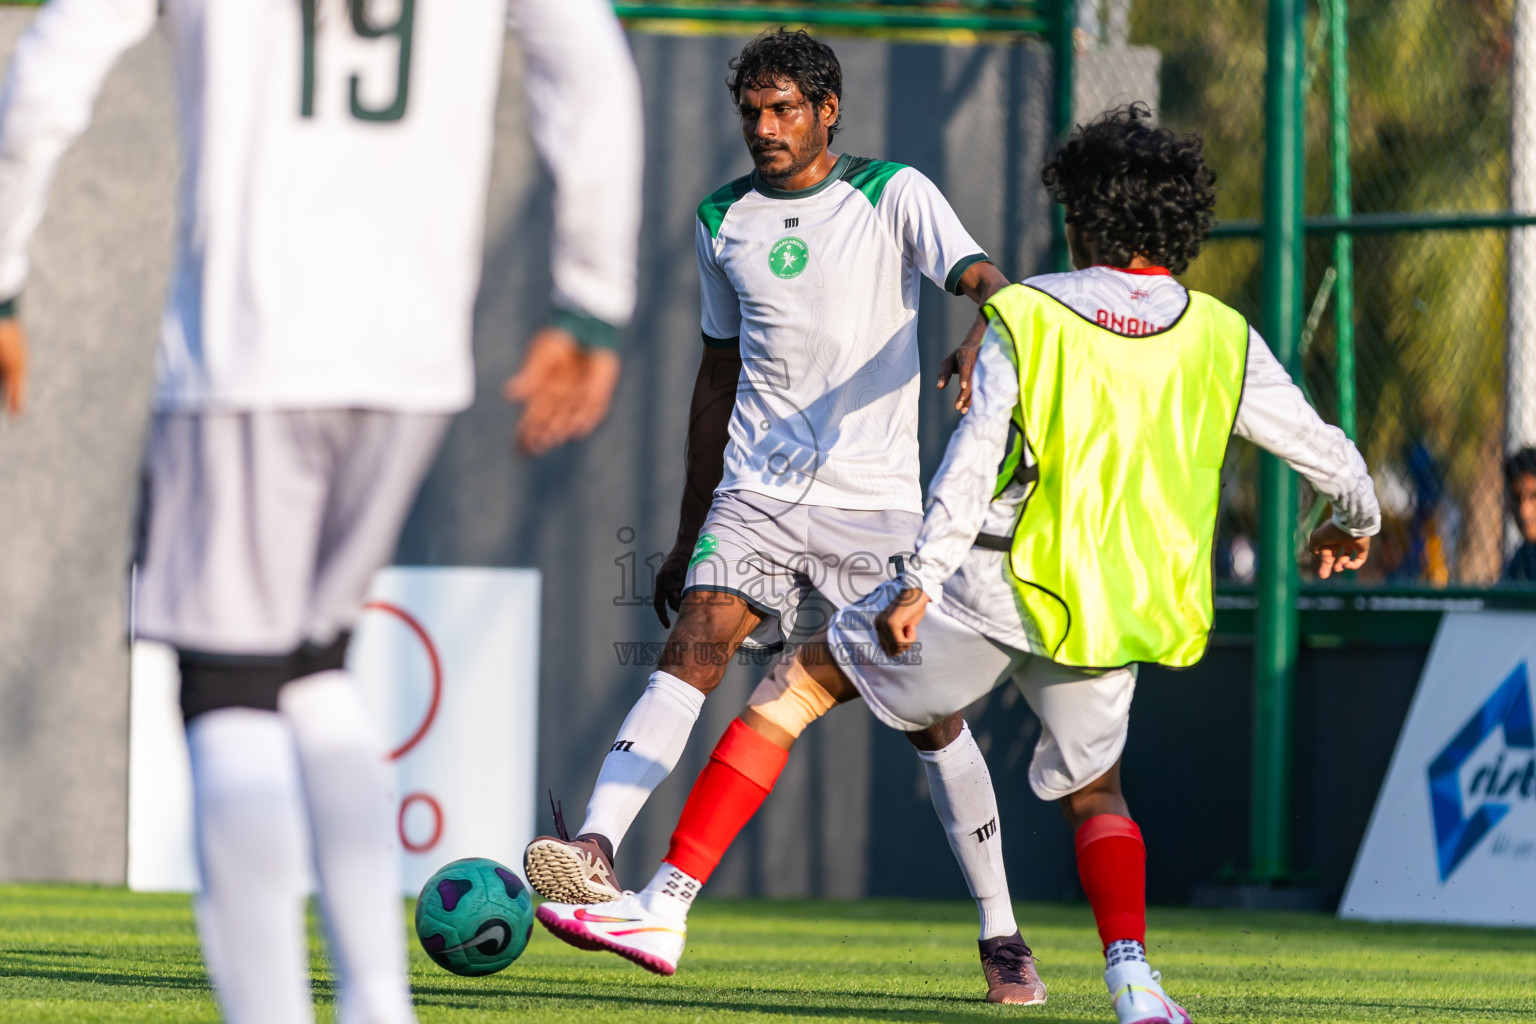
pixel 76 953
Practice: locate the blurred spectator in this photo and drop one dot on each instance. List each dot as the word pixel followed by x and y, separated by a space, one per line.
pixel 1520 477
pixel 1431 519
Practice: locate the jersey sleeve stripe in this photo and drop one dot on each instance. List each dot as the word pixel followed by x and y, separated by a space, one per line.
pixel 870 176
pixel 590 331
pixel 956 272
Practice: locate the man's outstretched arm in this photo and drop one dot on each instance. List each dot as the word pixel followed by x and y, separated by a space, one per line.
pixel 584 104
pixel 1276 416
pixel 51 85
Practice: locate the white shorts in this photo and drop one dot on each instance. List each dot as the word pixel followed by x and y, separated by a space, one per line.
pixel 797 564
pixel 260 531
pixel 1084 715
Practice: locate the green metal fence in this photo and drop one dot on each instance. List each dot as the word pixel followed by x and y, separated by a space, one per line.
pixel 990 16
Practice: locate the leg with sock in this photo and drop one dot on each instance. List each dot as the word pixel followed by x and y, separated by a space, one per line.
pixel 1112 864
pixel 350 794
pixel 961 788
pixel 652 738
pixel 739 776
pixel 650 927
pixel 742 770
pixel 647 748
pixel 252 847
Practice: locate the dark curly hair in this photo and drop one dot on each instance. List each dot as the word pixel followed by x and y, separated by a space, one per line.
pixel 1134 189
pixel 1522 463
pixel 779 57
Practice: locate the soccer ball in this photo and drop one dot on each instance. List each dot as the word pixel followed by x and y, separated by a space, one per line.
pixel 474 917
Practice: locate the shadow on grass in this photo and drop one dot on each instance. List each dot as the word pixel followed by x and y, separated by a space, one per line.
pixel 792 1003
pixel 137 979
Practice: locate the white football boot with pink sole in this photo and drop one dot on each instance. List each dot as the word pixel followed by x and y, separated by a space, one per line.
pixel 623 926
pixel 1139 997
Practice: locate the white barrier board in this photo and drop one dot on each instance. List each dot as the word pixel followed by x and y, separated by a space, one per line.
pixel 448 659
pixel 1453 834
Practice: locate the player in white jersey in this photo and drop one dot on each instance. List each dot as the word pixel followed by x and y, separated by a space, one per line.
pixel 976 619
pixel 316 340
pixel 810 270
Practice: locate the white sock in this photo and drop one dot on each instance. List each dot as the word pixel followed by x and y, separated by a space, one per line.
pixel 962 796
pixel 670 892
pixel 252 843
pixel 644 753
pixel 350 790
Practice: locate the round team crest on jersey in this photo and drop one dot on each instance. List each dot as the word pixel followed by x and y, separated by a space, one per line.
pixel 788 257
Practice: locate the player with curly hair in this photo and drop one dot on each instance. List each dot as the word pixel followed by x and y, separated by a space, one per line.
pixel 1069 531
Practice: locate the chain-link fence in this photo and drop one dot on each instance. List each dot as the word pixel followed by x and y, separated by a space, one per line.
pixel 1409 135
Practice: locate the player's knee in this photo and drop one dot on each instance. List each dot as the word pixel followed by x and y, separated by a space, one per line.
pixel 210 681
pixel 714 613
pixel 709 629
pixel 939 735
pixel 702 675
pixel 1074 806
pixel 791 698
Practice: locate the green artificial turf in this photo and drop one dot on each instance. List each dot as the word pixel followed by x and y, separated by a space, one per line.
pixel 80 954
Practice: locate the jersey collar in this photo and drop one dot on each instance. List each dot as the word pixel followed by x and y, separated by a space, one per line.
pixel 1142 271
pixel 833 176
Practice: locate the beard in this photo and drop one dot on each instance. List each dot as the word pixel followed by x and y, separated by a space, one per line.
pixel 809 149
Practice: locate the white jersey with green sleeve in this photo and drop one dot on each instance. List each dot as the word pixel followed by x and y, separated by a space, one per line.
pixel 821 287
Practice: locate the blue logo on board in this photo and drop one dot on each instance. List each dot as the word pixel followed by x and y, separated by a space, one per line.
pixel 1496 783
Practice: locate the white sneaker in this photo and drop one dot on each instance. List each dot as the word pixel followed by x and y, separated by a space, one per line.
pixel 623 926
pixel 1139 998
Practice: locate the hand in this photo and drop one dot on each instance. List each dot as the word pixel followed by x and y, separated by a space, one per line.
pixel 962 361
pixel 1337 550
pixel 13 365
pixel 897 624
pixel 565 390
pixel 669 583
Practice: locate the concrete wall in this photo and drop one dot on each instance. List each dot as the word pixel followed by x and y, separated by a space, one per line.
pixel 68 477
pixel 851 814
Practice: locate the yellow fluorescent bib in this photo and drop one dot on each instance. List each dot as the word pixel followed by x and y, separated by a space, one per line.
pixel 1112 553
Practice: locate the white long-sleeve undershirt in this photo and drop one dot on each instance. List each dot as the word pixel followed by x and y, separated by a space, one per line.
pixel 1273 413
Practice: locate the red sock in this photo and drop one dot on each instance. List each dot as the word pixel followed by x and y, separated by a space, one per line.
pixel 741 772
pixel 1112 862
